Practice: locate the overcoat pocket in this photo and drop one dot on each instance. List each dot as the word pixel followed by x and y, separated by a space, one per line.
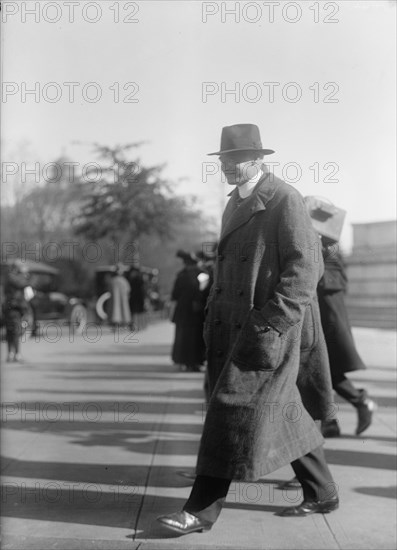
pixel 259 345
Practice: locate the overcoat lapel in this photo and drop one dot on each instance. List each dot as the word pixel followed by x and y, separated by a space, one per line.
pixel 236 216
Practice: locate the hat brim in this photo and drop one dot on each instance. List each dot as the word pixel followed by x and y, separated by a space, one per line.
pixel 263 151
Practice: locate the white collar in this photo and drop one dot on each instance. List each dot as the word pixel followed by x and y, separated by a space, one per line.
pixel 246 189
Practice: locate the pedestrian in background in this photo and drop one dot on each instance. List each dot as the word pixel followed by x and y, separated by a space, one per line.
pixel 262 312
pixel 208 262
pixel 15 306
pixel 136 297
pixel 120 292
pixel 188 350
pixel 342 352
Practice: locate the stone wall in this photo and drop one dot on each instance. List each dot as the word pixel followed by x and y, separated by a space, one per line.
pixel 371 269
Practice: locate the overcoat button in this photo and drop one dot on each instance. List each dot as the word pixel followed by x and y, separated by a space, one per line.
pixel 238 325
pixel 219 353
pixel 243 258
pixel 217 321
pixel 221 257
pixel 240 292
pixel 217 289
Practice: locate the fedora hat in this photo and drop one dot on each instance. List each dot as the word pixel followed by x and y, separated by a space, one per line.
pixel 241 137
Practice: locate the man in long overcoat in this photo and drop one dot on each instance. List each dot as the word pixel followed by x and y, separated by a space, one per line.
pixel 262 315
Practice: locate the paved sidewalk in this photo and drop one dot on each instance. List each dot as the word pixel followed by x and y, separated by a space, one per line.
pixel 98 432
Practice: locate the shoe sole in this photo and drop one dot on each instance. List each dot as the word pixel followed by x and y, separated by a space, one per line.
pixel 321 510
pixel 330 435
pixel 327 508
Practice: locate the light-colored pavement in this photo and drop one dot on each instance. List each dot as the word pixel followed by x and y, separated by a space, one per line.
pixel 97 430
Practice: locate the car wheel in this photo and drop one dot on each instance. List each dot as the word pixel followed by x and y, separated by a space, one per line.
pixel 78 317
pixel 102 305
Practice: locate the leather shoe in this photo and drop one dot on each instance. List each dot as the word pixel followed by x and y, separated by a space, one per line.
pixel 365 412
pixel 308 507
pixel 330 428
pixel 184 523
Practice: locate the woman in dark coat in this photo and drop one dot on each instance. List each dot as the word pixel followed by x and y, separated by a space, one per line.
pixel 14 307
pixel 342 352
pixel 137 294
pixel 188 350
pixel 137 297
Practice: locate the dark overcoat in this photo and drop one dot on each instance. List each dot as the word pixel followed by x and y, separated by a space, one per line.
pixel 137 293
pixel 188 348
pixel 342 352
pixel 266 274
pixel 14 305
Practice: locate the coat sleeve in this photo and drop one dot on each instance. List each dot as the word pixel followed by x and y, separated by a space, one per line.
pixel 300 265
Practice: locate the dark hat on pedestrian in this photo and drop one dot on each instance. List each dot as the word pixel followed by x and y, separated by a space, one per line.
pixel 206 255
pixel 327 219
pixel 202 256
pixel 187 257
pixel 241 137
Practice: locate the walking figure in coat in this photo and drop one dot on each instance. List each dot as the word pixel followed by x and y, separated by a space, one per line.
pixel 262 314
pixel 188 350
pixel 15 307
pixel 342 352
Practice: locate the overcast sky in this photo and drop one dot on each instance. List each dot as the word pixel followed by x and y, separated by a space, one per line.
pixel 332 107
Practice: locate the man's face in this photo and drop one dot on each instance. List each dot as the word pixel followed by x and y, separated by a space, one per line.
pixel 240 166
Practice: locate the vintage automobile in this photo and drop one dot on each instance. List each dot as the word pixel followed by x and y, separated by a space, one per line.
pixel 45 302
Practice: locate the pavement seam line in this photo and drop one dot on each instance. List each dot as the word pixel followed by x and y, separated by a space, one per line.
pixel 158 427
pixel 332 533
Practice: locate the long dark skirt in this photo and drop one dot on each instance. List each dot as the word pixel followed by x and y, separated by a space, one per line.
pixel 342 352
pixel 188 348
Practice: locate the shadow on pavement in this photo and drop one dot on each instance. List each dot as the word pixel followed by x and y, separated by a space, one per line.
pixel 119 411
pixel 358 459
pixel 134 349
pixel 188 394
pixel 387 492
pixel 72 503
pixel 116 476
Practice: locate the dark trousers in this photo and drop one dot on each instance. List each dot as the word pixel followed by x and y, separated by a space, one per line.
pixel 344 387
pixel 313 474
pixel 209 493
